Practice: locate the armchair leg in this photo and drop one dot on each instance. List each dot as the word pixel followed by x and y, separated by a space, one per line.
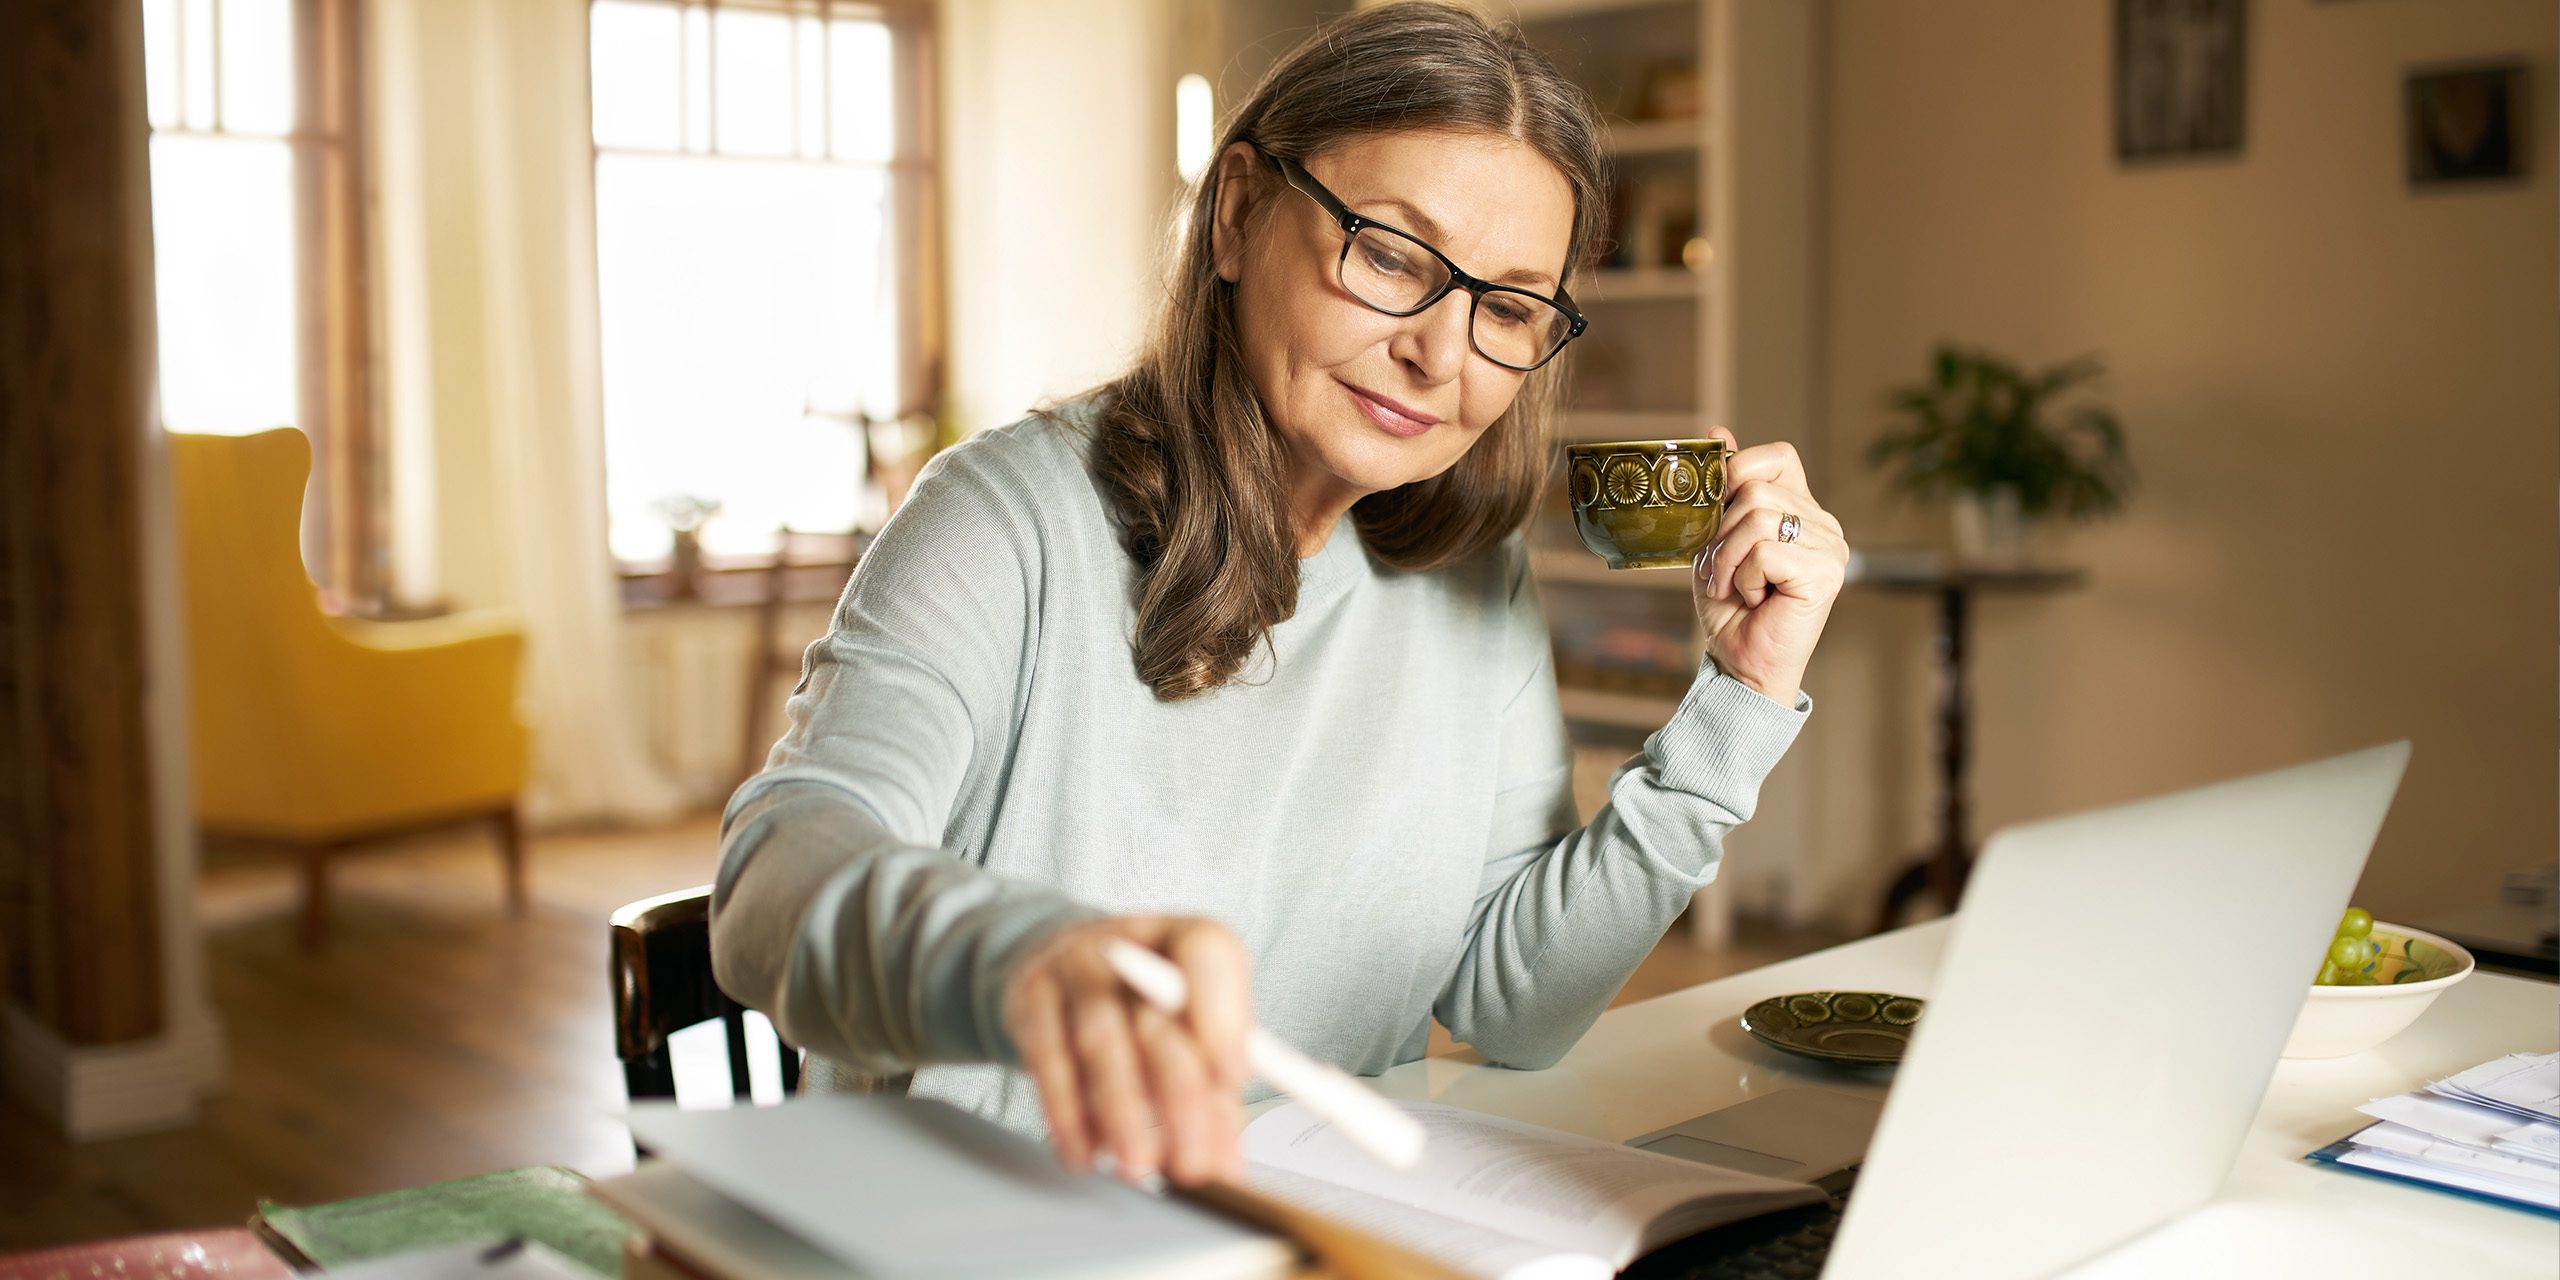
pixel 511 852
pixel 315 896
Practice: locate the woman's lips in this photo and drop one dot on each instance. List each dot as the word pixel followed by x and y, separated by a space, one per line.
pixel 1393 421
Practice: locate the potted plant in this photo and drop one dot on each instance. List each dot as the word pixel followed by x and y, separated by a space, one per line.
pixel 1995 443
pixel 685 514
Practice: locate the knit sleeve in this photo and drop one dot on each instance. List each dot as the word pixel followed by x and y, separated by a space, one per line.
pixel 837 910
pixel 1564 912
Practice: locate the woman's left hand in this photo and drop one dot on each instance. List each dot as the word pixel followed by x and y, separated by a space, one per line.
pixel 1763 600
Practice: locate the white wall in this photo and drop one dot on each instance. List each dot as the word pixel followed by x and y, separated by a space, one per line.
pixel 1058 144
pixel 2343 400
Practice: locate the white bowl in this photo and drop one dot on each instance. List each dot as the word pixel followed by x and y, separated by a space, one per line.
pixel 2337 1021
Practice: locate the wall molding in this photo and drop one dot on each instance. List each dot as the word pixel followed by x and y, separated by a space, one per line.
pixel 108 1091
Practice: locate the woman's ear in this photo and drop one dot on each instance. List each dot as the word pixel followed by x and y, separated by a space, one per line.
pixel 1234 209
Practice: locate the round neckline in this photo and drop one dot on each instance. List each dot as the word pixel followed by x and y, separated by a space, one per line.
pixel 1335 565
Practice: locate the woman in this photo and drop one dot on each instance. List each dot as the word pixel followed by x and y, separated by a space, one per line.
pixel 1238 657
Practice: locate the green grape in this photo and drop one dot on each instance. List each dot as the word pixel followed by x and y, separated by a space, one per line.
pixel 2372 952
pixel 2329 974
pixel 2346 952
pixel 2357 923
pixel 2357 980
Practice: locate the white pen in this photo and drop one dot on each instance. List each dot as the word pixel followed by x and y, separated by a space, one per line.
pixel 1365 1118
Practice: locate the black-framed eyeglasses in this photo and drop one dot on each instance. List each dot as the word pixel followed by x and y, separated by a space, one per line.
pixel 1399 273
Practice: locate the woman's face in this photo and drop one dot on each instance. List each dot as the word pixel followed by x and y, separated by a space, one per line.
pixel 1338 379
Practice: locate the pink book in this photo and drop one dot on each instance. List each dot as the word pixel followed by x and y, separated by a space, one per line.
pixel 178 1255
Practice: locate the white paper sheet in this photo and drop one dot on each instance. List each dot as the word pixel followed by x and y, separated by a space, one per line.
pixel 2391 1162
pixel 2525 1084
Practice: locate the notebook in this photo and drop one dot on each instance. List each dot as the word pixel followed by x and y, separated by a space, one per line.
pixel 824 1187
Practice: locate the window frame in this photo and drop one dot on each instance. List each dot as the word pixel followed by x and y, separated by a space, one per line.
pixel 913 169
pixel 344 538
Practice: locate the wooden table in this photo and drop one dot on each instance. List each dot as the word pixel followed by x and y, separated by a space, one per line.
pixel 1658 1062
pixel 1940 870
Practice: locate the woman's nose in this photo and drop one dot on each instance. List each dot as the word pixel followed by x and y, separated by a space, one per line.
pixel 1434 341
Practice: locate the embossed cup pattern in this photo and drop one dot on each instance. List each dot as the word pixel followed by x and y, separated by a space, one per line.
pixel 1647 504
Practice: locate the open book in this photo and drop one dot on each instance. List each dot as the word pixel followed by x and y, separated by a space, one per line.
pixel 1496 1198
pixel 827 1187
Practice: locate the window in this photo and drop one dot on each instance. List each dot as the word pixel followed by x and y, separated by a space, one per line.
pixel 762 226
pixel 257 247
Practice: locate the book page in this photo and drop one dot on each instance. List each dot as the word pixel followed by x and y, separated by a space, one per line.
pixel 1561 1190
pixel 1462 1245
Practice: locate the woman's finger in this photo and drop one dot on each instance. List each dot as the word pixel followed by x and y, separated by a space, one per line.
pixel 1040 1040
pixel 1759 527
pixel 1776 462
pixel 1786 568
pixel 1178 1074
pixel 1115 1086
pixel 1764 495
pixel 1221 1008
pixel 1728 551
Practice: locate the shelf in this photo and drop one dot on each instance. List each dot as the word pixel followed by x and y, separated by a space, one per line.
pixel 1594 425
pixel 1655 137
pixel 1557 564
pixel 1638 284
pixel 1643 711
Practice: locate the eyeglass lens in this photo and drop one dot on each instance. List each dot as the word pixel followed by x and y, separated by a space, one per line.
pixel 1396 274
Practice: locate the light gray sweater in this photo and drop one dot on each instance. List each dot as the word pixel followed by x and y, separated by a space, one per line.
pixel 1385 815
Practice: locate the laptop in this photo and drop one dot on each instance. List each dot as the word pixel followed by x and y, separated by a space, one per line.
pixel 2111 1002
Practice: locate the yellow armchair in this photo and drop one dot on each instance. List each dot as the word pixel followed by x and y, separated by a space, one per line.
pixel 319 732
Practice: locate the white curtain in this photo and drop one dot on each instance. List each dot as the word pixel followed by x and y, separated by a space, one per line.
pixel 484 238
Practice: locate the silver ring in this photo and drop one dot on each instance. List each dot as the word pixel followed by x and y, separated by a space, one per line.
pixel 1789 526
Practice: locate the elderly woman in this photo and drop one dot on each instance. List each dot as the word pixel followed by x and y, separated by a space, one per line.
pixel 1238 656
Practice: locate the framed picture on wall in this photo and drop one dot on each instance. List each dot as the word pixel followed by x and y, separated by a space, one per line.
pixel 2180 72
pixel 2466 124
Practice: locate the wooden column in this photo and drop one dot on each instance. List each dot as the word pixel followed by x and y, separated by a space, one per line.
pixel 79 911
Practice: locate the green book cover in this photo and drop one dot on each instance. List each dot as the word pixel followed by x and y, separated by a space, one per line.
pixel 548 1203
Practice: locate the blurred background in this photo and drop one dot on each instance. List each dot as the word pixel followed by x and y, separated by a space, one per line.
pixel 430 429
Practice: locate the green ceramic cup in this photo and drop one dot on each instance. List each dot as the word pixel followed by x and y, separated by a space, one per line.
pixel 1647 504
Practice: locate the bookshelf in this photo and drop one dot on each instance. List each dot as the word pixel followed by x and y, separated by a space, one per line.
pixel 1709 107
pixel 1627 641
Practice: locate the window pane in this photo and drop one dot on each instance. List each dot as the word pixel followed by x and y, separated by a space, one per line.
pixel 257 66
pixel 861 90
pixel 754 75
pixel 195 61
pixel 809 44
pixel 736 299
pixel 160 60
pixel 638 65
pixel 697 78
pixel 222 221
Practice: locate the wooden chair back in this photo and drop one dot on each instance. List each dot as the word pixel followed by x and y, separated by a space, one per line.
pixel 660 971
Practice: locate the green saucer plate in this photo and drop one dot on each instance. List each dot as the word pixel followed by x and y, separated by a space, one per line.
pixel 1863 1028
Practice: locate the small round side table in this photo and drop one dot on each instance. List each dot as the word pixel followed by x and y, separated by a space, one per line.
pixel 1940 870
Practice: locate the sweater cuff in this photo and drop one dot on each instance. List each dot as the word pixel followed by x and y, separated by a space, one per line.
pixel 1723 739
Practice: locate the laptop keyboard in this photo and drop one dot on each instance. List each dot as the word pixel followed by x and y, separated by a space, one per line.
pixel 1788 1245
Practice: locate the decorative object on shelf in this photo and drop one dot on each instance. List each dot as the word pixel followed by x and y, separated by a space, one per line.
pixel 1647 504
pixel 2466 124
pixel 2179 86
pixel 1672 91
pixel 685 514
pixel 1986 437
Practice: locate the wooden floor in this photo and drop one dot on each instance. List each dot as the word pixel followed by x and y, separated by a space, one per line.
pixel 439 1037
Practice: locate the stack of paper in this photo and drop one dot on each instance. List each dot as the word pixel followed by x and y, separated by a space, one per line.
pixel 2491 1131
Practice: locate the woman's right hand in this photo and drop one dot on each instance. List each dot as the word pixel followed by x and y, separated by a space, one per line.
pixel 1158 1092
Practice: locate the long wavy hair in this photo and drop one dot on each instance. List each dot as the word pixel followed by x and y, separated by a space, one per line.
pixel 1181 446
